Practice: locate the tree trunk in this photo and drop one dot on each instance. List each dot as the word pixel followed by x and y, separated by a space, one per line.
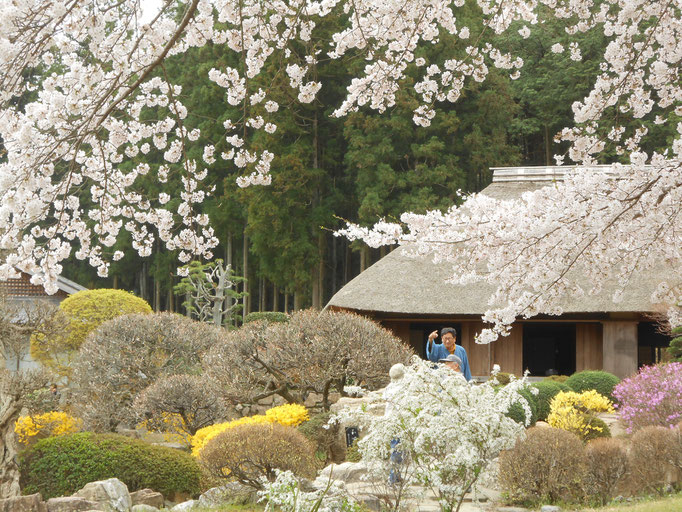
pixel 298 300
pixel 275 298
pixel 286 302
pixel 246 301
pixel 548 147
pixel 9 471
pixel 157 295
pixel 228 261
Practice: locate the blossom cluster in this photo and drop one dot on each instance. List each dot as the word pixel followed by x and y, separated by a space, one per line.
pixel 53 423
pixel 77 80
pixel 288 414
pixel 651 397
pixel 574 412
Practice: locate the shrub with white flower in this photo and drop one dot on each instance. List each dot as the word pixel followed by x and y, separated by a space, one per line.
pixel 285 495
pixel 447 430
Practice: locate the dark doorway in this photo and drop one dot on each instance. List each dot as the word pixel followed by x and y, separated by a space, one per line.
pixel 651 344
pixel 419 332
pixel 549 348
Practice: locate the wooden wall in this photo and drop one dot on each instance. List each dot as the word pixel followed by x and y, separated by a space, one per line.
pixel 588 347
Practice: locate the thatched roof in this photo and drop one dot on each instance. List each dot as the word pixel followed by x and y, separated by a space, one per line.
pixel 401 284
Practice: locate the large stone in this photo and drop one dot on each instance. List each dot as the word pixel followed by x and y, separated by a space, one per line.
pixel 232 493
pixel 70 504
pixel 111 494
pixel 347 472
pixel 143 508
pixel 30 503
pixel 185 506
pixel 147 497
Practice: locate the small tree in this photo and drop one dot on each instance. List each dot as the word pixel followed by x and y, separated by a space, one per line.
pixel 128 354
pixel 675 348
pixel 20 321
pixel 83 313
pixel 179 403
pixel 210 291
pixel 16 392
pixel 315 352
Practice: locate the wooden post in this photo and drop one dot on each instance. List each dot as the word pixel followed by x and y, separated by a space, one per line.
pixel 620 348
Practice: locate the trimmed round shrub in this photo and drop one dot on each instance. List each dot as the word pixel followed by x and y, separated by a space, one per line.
pixel 547 466
pixel 651 452
pixel 130 353
pixel 599 430
pixel 602 382
pixel 266 316
pixel 59 466
pixel 652 397
pixel 517 412
pixel 607 465
pixel 503 378
pixel 248 453
pixel 83 312
pixel 547 389
pixel 556 378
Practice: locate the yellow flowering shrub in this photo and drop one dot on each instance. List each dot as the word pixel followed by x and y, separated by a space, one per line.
pixel 53 423
pixel 288 415
pixel 575 412
pixel 171 425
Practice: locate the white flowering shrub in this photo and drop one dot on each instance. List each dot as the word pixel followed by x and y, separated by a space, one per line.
pixel 285 495
pixel 445 430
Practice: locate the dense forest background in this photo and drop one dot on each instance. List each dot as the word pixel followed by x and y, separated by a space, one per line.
pixel 362 168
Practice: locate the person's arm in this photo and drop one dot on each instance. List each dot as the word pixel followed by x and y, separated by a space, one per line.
pixel 465 361
pixel 431 352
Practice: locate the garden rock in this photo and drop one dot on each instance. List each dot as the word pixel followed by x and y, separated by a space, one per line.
pixel 30 503
pixel 185 506
pixel 111 494
pixel 143 508
pixel 147 497
pixel 71 504
pixel 346 472
pixel 232 493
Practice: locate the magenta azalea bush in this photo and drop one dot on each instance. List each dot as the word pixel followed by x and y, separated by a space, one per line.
pixel 652 397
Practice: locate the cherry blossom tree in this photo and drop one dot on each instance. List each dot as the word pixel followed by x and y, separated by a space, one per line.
pixel 79 78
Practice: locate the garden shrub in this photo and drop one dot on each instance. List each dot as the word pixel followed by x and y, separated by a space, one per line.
pixel 652 397
pixel 266 316
pixel 651 450
pixel 325 437
pixel 290 415
pixel 353 452
pixel 547 466
pixel 59 466
pixel 250 452
pixel 83 312
pixel 607 465
pixel 599 430
pixel 30 429
pixel 556 378
pixel 675 348
pixel 547 389
pixel 125 355
pixel 503 378
pixel 179 405
pixel 517 412
pixel 600 381
pixel 576 412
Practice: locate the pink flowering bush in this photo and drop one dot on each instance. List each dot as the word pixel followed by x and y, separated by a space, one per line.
pixel 652 397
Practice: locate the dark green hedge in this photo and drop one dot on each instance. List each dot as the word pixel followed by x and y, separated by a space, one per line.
pixel 601 381
pixel 547 390
pixel 60 466
pixel 516 411
pixel 267 316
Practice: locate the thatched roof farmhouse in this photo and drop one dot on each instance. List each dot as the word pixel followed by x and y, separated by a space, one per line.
pixel 409 296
